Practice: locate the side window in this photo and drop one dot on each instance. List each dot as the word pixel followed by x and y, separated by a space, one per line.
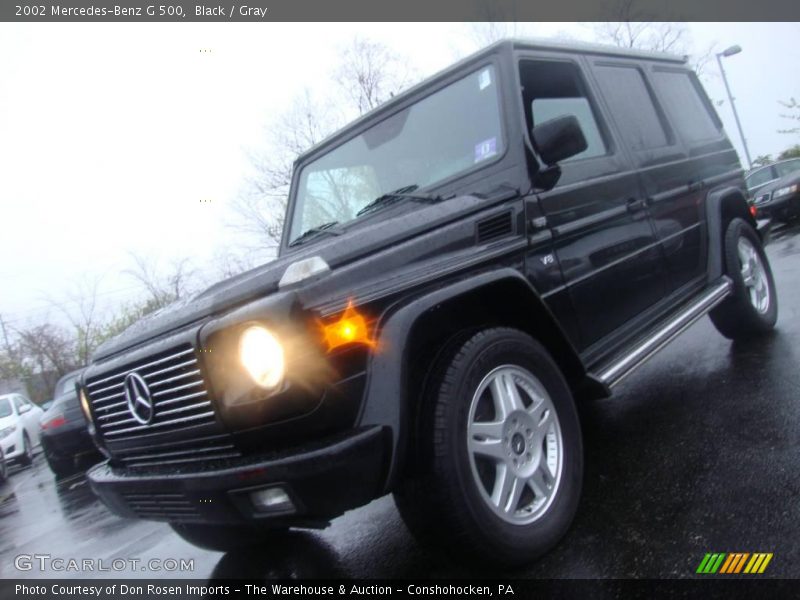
pixel 553 89
pixel 759 177
pixel 688 110
pixel 19 402
pixel 632 105
pixel 790 166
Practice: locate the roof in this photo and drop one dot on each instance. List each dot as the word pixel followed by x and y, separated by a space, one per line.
pixel 506 45
pixel 587 48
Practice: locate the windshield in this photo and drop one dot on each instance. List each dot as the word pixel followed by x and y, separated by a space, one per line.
pixel 5 408
pixel 446 133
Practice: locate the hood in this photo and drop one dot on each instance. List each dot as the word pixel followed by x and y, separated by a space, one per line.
pixel 361 238
pixel 7 421
pixel 784 181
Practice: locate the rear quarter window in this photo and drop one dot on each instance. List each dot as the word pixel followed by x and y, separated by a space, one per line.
pixel 686 105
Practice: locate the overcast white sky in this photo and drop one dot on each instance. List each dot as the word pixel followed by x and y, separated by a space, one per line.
pixel 111 134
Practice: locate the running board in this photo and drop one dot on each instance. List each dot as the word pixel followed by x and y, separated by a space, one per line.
pixel 628 362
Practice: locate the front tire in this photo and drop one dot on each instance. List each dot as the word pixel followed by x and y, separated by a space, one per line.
pixel 3 468
pixel 226 538
pixel 26 458
pixel 500 465
pixel 752 308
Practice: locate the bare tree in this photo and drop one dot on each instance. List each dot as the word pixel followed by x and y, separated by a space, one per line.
pixel 259 209
pixel 162 289
pixel 632 29
pixel 82 311
pixel 368 74
pixel 48 350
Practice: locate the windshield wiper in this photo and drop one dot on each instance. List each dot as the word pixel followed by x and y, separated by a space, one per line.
pixel 309 233
pixel 403 193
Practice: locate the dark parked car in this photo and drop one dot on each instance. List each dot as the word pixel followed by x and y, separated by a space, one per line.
pixel 65 437
pixel 757 179
pixel 780 199
pixel 459 268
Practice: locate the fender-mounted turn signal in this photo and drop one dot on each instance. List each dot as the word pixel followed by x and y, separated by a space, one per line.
pixel 350 328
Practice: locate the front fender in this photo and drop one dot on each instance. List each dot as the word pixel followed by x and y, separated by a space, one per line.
pixel 386 401
pixel 723 205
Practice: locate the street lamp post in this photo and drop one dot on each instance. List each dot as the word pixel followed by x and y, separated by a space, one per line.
pixel 725 53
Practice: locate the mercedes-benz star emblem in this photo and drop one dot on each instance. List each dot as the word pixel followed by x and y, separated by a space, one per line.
pixel 140 404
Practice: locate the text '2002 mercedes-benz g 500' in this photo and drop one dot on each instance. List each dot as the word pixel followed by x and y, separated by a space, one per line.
pixel 458 269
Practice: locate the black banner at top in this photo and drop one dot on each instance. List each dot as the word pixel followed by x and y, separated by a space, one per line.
pixel 185 11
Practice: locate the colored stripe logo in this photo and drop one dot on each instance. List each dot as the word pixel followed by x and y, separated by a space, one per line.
pixel 733 563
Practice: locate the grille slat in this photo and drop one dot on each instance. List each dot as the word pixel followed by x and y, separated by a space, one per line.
pixel 169 507
pixel 180 403
pixel 122 374
pixel 178 388
pixel 179 453
pixel 176 378
pixel 204 415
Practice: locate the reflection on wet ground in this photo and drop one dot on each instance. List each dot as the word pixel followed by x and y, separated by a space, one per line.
pixel 696 452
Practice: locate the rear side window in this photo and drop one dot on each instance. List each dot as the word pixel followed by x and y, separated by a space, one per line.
pixel 687 108
pixel 556 89
pixel 790 166
pixel 632 105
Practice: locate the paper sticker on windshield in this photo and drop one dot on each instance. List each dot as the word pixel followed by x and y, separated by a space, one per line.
pixel 484 79
pixel 485 149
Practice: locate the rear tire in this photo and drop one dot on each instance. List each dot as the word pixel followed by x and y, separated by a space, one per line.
pixel 226 538
pixel 752 307
pixel 500 463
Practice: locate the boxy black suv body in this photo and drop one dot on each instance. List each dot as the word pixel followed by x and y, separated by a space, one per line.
pixel 458 268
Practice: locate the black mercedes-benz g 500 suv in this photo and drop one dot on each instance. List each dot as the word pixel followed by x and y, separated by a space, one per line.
pixel 458 269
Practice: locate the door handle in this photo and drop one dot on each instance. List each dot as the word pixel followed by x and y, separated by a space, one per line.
pixel 635 204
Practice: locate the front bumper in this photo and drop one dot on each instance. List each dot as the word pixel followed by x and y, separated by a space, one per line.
pixel 13 446
pixel 322 481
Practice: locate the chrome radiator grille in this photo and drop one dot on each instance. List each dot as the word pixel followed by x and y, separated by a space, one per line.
pixel 180 401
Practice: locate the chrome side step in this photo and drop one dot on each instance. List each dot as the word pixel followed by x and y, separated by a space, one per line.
pixel 626 364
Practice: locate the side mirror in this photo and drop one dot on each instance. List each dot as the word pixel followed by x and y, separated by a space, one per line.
pixel 558 139
pixel 24 408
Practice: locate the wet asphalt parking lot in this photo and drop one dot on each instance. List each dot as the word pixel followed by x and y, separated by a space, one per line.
pixel 698 451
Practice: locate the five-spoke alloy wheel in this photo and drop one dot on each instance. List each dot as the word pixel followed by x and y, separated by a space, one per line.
pixel 497 472
pixel 515 444
pixel 752 307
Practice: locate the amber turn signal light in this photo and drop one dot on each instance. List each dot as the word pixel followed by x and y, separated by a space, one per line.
pixel 350 328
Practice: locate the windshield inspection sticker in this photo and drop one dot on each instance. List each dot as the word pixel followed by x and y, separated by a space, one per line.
pixel 484 79
pixel 485 149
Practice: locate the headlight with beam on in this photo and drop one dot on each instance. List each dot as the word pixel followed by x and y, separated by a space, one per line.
pixel 262 356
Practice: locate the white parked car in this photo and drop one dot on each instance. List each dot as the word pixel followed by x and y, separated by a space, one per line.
pixel 19 427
